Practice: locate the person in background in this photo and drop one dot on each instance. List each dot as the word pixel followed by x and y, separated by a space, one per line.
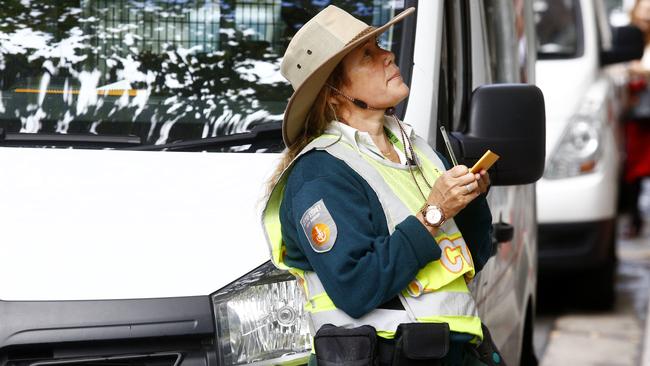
pixel 637 126
pixel 383 234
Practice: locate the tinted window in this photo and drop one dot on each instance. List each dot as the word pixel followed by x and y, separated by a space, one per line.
pixel 557 26
pixel 508 43
pixel 163 70
pixel 454 80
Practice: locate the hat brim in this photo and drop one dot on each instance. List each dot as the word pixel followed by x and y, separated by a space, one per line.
pixel 303 97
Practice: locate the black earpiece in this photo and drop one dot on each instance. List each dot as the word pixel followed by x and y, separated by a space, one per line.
pixel 361 104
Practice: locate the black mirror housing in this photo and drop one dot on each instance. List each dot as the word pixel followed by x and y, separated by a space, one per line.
pixel 628 43
pixel 510 120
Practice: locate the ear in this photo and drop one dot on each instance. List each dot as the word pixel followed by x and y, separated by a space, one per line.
pixel 333 100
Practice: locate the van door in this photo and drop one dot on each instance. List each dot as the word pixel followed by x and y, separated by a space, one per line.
pixel 484 42
pixel 511 51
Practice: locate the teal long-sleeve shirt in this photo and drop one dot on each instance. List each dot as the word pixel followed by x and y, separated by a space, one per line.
pixel 366 266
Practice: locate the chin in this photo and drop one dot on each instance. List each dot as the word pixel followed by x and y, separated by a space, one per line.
pixel 399 94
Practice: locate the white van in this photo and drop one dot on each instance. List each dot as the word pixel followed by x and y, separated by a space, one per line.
pixel 577 197
pixel 114 252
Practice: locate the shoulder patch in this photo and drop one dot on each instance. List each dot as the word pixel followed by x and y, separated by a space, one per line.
pixel 319 227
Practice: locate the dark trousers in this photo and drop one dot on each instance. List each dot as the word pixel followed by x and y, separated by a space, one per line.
pixel 629 203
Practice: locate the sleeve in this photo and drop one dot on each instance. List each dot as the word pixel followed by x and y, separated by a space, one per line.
pixel 475 223
pixel 363 268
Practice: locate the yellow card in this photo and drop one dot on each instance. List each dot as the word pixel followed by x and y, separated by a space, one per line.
pixel 485 162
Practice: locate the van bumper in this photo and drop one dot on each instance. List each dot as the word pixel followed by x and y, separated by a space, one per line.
pixel 576 246
pixel 137 332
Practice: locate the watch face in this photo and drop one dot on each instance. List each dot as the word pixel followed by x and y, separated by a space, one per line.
pixel 433 215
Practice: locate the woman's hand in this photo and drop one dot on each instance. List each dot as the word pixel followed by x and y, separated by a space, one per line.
pixel 483 180
pixel 456 188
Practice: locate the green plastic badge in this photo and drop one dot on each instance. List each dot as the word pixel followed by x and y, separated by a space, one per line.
pixel 496 358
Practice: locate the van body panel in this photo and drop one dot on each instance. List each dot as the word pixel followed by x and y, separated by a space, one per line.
pixel 560 99
pixel 506 285
pixel 170 224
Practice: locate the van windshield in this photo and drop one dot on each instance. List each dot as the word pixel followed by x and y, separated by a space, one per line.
pixel 557 26
pixel 161 70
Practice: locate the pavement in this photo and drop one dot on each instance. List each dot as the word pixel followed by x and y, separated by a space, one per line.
pixel 604 338
pixel 620 337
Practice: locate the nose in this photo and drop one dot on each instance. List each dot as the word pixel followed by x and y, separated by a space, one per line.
pixel 389 58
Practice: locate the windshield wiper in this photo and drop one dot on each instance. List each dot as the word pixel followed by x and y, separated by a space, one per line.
pixel 67 140
pixel 265 135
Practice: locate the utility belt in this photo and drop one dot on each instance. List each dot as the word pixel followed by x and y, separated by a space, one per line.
pixel 415 344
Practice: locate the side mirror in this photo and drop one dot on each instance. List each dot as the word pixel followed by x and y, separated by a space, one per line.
pixel 508 119
pixel 628 43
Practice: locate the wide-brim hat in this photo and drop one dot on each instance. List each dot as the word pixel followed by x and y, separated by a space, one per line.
pixel 312 55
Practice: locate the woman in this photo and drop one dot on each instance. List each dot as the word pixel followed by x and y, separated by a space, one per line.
pixel 637 128
pixel 383 238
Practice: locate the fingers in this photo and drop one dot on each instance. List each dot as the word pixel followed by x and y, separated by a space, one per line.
pixel 485 177
pixel 457 187
pixel 458 171
pixel 484 181
pixel 470 188
pixel 452 179
pixel 459 176
pixel 465 179
pixel 478 186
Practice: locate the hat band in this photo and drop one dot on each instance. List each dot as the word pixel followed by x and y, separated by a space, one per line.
pixel 361 34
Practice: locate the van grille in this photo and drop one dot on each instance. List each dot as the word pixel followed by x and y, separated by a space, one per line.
pixel 166 359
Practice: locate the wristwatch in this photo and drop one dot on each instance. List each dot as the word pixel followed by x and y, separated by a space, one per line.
pixel 433 215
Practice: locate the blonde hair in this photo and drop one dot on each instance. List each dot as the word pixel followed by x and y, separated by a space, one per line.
pixel 320 115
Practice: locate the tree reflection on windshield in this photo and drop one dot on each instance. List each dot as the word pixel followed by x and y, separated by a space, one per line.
pixel 163 70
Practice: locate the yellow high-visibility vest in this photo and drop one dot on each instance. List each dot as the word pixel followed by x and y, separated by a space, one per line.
pixel 439 291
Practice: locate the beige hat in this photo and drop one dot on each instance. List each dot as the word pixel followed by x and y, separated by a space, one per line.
pixel 312 55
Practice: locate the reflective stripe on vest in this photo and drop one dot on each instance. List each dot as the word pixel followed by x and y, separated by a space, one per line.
pixel 439 292
pixel 448 304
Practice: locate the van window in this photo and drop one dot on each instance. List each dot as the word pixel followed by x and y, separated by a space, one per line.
pixel 454 71
pixel 508 47
pixel 163 70
pixel 557 23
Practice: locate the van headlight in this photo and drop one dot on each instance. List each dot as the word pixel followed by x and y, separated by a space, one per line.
pixel 578 151
pixel 261 321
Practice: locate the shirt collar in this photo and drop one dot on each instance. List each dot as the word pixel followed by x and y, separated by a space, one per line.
pixel 358 138
pixel 392 125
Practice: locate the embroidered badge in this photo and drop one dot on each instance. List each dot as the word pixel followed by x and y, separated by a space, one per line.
pixel 319 227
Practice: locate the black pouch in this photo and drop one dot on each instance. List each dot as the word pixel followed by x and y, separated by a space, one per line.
pixel 337 346
pixel 487 351
pixel 421 343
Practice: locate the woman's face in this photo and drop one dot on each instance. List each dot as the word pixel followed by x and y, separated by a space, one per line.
pixel 372 76
pixel 642 15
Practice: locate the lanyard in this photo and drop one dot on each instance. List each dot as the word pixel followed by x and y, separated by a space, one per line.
pixel 409 161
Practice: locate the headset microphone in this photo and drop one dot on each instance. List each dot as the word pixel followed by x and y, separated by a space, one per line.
pixel 390 111
pixel 361 104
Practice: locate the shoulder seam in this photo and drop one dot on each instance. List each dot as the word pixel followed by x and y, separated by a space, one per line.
pixel 323 170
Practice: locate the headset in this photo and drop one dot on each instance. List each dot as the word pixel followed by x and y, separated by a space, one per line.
pixel 411 160
pixel 390 111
